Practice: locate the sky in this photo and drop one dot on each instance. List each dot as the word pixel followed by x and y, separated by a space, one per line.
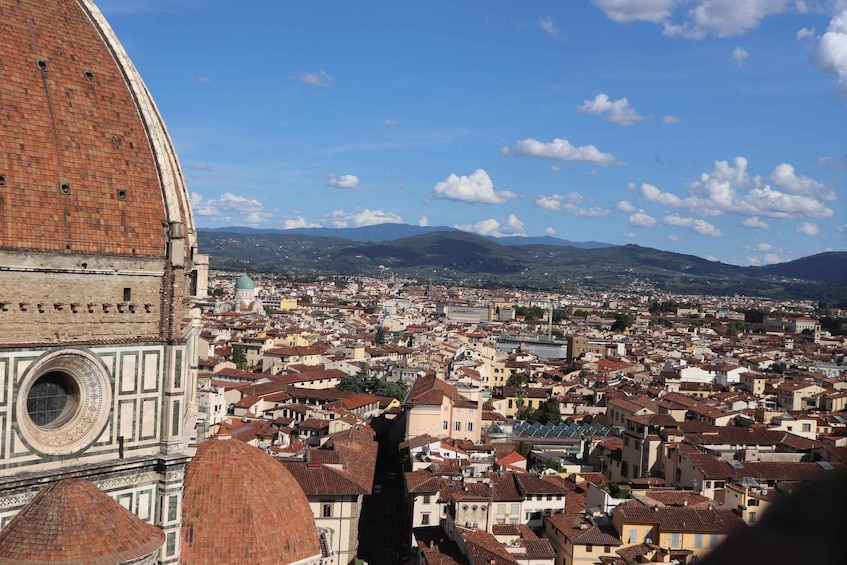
pixel 709 127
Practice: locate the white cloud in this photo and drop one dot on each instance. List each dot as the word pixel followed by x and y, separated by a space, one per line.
pixel 753 261
pixel 561 150
pixel 570 205
pixel 670 120
pixel 784 177
pixel 204 80
pixel 556 168
pixel 625 11
pixel 722 191
pixel 723 18
pixel 763 247
pixel 830 54
pixel 673 237
pixel 423 222
pixel 616 111
pixel 476 187
pixel 754 222
pixel 298 221
pixel 771 258
pixel 805 32
pixel 366 217
pixel 739 55
pixel 342 181
pixel 653 194
pixel 642 219
pixel 321 79
pixel 550 231
pixel 625 206
pixel 511 226
pixel 391 123
pixel 230 208
pixel 628 235
pixel 696 225
pixel 695 19
pixel 549 26
pixel 808 228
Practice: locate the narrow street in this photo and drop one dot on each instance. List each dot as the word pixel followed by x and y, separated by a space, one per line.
pixel 383 524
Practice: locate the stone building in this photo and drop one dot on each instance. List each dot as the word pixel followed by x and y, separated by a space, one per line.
pixel 99 263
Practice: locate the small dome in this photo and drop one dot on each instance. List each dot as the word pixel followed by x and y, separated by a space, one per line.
pixel 72 521
pixel 244 283
pixel 267 517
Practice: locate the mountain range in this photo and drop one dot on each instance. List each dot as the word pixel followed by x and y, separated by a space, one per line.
pixel 451 256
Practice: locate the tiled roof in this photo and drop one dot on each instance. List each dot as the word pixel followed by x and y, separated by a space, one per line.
pixel 579 530
pixel 72 522
pixel 267 518
pixel 317 479
pixel 680 518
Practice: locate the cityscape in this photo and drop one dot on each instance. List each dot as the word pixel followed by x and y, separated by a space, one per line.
pixel 190 374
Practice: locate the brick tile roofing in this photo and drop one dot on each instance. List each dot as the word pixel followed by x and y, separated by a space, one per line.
pixel 84 131
pixel 72 522
pixel 681 518
pixel 241 506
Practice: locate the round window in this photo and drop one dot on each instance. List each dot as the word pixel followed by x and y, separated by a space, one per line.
pixel 64 403
pixel 52 399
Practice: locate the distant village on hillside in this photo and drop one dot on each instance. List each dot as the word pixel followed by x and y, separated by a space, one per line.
pixel 525 428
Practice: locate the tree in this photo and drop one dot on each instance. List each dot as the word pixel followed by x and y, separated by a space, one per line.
pixel 379 337
pixel 552 413
pixel 517 379
pixel 218 292
pixel 622 322
pixel 239 357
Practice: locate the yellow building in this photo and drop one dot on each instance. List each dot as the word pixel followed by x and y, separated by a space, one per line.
pixel 581 539
pixel 683 531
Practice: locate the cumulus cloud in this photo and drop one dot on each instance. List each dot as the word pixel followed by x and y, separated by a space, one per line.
pixel 570 205
pixel 805 32
pixel 391 123
pixel 695 19
pixel 476 187
pixel 739 55
pixel 625 206
pixel 511 226
pixel 670 120
pixel 230 208
pixel 628 235
pixel 642 219
pixel 763 247
pixel 366 217
pixel 753 261
pixel 808 228
pixel 550 231
pixel 626 11
pixel 729 189
pixel 549 26
pixel 754 222
pixel 785 178
pixel 342 181
pixel 697 225
pixel 298 221
pixel 616 111
pixel 423 222
pixel 561 150
pixel 830 54
pixel 771 258
pixel 320 79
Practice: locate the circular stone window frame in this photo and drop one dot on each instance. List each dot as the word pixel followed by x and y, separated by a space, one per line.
pixel 93 403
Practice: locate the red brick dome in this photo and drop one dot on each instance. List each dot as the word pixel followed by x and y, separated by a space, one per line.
pixel 242 506
pixel 73 522
pixel 86 164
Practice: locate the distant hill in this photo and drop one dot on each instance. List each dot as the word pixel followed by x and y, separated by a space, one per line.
pixel 457 257
pixel 391 232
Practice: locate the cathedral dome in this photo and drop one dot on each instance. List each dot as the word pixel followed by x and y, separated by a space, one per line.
pixel 72 521
pixel 242 506
pixel 244 283
pixel 88 166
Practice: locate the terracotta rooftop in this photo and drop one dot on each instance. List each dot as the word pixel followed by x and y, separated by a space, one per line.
pixel 268 518
pixel 72 522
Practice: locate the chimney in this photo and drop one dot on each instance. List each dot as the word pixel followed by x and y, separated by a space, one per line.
pixel 685 502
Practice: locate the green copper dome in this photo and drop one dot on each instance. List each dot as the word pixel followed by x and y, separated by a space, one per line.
pixel 244 283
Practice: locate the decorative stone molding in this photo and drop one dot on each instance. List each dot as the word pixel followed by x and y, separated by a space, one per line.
pixel 88 414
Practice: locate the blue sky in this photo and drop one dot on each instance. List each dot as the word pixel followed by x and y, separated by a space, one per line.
pixel 715 128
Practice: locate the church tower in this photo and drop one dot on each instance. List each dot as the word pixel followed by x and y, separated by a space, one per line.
pixel 99 264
